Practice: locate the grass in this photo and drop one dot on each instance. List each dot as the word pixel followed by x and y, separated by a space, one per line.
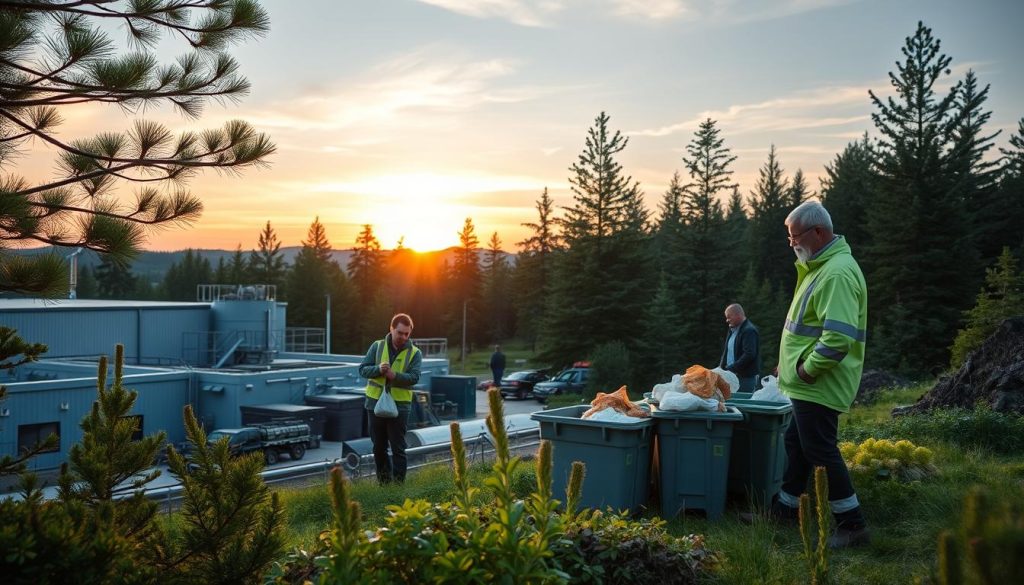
pixel 905 518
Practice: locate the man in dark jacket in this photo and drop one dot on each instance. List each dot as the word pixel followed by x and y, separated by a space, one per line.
pixel 497 365
pixel 742 352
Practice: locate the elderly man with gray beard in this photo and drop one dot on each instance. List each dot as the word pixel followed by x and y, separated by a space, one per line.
pixel 821 358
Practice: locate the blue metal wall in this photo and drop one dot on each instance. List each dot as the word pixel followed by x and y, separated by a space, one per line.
pixel 160 401
pixel 82 328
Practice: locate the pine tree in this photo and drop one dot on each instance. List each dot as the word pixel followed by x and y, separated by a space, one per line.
pixel 266 263
pixel 770 204
pixel 114 279
pixel 57 56
pixel 922 257
pixel 705 283
pixel 600 283
pixel 1011 194
pixel 366 273
pixel 1001 297
pixel 182 279
pixel 798 189
pixel 238 268
pixel 309 279
pixel 465 278
pixel 497 299
pixel 977 176
pixel 847 190
pixel 659 356
pixel 533 268
pixel 220 273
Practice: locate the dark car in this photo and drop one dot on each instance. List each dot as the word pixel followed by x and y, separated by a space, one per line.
pixel 520 384
pixel 571 380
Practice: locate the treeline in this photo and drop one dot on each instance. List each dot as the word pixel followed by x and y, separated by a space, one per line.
pixel 927 205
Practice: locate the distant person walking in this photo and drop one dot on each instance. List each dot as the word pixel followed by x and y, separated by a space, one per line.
pixel 391 365
pixel 821 358
pixel 742 352
pixel 497 365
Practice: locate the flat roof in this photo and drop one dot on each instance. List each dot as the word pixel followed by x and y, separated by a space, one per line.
pixel 91 304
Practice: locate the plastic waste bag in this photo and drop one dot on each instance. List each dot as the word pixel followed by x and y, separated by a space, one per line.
pixel 770 391
pixel 386 407
pixel 612 415
pixel 730 378
pixel 683 401
pixel 659 390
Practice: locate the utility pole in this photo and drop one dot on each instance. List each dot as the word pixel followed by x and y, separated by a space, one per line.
pixel 464 335
pixel 73 276
pixel 327 338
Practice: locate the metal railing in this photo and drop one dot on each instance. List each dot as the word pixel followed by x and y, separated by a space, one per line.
pixel 305 339
pixel 432 346
pixel 208 293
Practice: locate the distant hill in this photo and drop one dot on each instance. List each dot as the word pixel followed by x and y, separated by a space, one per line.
pixel 154 265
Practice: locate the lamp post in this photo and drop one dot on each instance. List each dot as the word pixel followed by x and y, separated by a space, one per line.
pixel 73 276
pixel 464 336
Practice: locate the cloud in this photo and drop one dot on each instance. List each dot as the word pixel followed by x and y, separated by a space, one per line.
pixel 400 92
pixel 546 13
pixel 786 113
pixel 521 12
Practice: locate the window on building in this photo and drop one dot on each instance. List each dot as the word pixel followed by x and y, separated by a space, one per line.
pixel 137 435
pixel 30 435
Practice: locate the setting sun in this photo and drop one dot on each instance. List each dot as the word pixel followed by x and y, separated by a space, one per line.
pixel 425 210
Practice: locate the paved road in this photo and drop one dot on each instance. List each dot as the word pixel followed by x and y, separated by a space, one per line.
pixel 512 405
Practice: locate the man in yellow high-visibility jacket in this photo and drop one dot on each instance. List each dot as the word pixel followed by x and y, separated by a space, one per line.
pixel 391 365
pixel 821 357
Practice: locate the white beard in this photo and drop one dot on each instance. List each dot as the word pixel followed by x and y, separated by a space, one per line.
pixel 802 254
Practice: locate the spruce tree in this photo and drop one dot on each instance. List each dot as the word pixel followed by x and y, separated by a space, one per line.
pixel 658 356
pixel 1011 194
pixel 311 279
pixel 922 257
pixel 465 278
pixel 1001 297
pixel 770 203
pixel 114 279
pixel 601 282
pixel 707 278
pixel 798 189
pixel 366 272
pixel 238 268
pixel 847 189
pixel 266 263
pixel 182 278
pixel 533 268
pixel 497 302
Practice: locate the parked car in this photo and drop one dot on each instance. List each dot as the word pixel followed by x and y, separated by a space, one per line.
pixel 485 385
pixel 570 380
pixel 520 384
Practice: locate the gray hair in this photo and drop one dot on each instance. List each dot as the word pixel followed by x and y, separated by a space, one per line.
pixel 810 214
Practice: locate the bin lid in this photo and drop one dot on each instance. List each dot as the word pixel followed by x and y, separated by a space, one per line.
pixel 282 407
pixel 333 399
pixel 760 406
pixel 571 415
pixel 731 414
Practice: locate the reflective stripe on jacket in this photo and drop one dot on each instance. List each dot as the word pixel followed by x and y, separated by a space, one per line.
pixel 826 329
pixel 405 358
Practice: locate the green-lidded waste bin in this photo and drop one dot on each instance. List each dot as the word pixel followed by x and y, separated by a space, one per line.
pixel 741 395
pixel 693 453
pixel 758 456
pixel 617 456
pixel 460 390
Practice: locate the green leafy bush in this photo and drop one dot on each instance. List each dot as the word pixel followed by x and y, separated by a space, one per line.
pixel 495 534
pixel 609 369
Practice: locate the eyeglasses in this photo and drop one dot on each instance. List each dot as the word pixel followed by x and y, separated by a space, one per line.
pixel 793 239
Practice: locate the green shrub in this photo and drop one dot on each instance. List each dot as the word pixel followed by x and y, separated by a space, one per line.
pixel 980 428
pixel 609 369
pixel 494 534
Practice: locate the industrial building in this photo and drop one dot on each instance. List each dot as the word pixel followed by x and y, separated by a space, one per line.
pixel 221 354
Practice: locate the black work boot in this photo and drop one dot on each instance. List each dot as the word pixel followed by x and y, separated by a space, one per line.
pixel 849 537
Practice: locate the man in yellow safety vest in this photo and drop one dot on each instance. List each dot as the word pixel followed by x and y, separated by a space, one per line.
pixel 391 365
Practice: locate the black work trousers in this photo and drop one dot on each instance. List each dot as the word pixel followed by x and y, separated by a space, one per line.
pixel 390 432
pixel 812 441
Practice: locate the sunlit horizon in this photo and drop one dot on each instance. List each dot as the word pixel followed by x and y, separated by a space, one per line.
pixel 412 116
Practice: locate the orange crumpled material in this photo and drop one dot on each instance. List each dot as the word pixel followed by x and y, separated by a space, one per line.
pixel 704 383
pixel 618 400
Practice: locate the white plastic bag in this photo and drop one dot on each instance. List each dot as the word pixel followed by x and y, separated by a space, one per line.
pixel 683 401
pixel 659 390
pixel 730 378
pixel 386 407
pixel 612 415
pixel 770 391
